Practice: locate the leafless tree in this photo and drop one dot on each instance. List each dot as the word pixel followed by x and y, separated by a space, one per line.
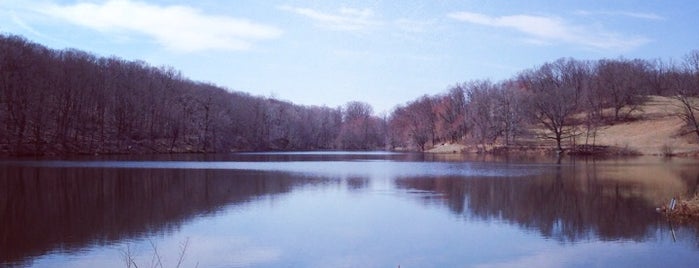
pixel 413 125
pixel 686 84
pixel 621 83
pixel 360 130
pixel 482 111
pixel 552 100
pixel 510 113
pixel 450 112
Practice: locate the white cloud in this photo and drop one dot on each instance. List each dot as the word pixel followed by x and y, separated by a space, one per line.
pixel 178 28
pixel 636 15
pixel 345 19
pixel 545 30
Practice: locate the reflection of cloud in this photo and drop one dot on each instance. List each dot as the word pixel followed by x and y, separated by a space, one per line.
pixel 345 19
pixel 179 28
pixel 590 254
pixel 252 256
pixel 216 249
pixel 543 30
pixel 201 251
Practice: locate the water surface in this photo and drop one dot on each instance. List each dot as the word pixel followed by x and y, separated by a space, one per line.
pixel 320 209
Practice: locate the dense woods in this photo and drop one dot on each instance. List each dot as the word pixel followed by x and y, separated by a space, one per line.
pixel 73 102
pixel 69 101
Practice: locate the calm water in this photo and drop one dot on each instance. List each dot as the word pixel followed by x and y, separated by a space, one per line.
pixel 344 210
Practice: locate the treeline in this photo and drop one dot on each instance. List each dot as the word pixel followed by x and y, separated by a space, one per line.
pixel 557 101
pixel 72 102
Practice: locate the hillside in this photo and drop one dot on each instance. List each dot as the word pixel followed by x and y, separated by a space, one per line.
pixel 657 126
pixel 62 102
pixel 652 130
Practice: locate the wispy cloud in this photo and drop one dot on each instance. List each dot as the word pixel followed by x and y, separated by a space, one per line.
pixel 19 22
pixel 413 25
pixel 344 19
pixel 178 28
pixel 630 14
pixel 546 30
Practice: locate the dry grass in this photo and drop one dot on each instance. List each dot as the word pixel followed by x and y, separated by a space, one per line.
pixel 685 210
pixel 657 132
pixel 448 148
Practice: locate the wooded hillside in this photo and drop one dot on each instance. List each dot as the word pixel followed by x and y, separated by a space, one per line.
pixel 73 102
pixel 560 101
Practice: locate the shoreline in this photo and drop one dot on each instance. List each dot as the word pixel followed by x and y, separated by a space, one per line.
pixel 681 210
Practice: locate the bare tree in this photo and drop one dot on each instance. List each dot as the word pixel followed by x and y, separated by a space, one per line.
pixel 482 110
pixel 621 84
pixel 686 84
pixel 510 110
pixel 413 125
pixel 450 112
pixel 360 129
pixel 552 100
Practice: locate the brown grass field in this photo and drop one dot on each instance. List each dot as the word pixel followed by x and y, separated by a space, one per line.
pixel 654 129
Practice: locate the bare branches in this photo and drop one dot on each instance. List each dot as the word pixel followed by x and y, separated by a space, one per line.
pixel 183 250
pixel 127 256
pixel 157 261
pixel 553 96
pixel 360 130
pixel 69 101
pixel 686 85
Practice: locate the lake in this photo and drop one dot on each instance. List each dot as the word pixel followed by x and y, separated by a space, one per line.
pixel 344 209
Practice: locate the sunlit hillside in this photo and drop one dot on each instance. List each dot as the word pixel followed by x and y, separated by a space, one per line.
pixel 656 129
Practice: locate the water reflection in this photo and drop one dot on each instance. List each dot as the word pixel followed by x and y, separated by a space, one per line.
pixel 65 209
pixel 569 202
pixel 353 210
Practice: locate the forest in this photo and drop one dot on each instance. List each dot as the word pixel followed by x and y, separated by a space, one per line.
pixel 72 102
pixel 57 102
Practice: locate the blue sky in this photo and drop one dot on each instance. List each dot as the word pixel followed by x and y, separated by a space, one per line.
pixel 381 52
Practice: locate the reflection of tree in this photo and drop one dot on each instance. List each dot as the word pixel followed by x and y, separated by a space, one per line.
pixel 44 209
pixel 357 183
pixel 559 204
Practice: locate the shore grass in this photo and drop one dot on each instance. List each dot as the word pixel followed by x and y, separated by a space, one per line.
pixel 685 209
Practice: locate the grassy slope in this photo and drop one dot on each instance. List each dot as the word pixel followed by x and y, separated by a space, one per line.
pixel 655 126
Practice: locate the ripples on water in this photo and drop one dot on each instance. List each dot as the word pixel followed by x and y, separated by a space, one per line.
pixel 342 209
